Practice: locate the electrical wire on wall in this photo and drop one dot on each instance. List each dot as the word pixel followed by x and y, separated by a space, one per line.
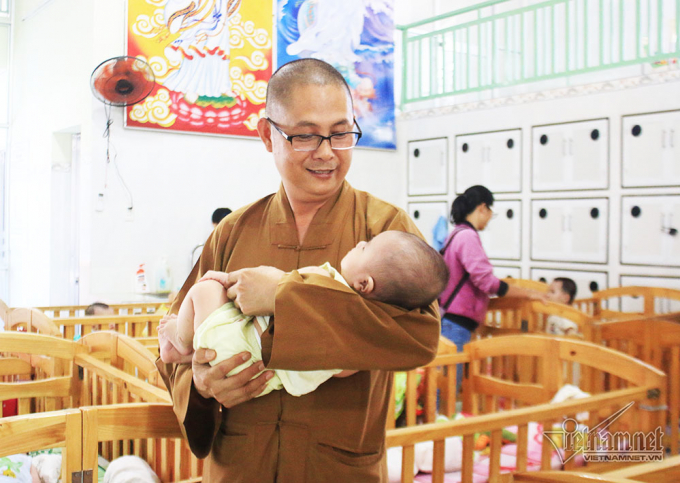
pixel 119 81
pixel 111 156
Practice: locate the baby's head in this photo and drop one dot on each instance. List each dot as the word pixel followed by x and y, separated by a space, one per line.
pixel 397 268
pixel 562 290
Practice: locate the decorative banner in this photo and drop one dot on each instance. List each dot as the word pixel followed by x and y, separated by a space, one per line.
pixel 212 60
pixel 356 37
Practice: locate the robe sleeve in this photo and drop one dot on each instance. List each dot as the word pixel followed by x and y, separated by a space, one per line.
pixel 322 324
pixel 198 417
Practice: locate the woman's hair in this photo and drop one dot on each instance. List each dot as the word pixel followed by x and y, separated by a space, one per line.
pixel 466 203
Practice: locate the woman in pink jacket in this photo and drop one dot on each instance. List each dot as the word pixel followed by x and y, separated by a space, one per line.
pixel 464 301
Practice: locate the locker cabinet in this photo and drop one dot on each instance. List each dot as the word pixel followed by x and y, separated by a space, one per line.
pixel 571 156
pixel 586 282
pixel 491 159
pixel 507 272
pixel 425 215
pixel 428 167
pixel 651 150
pixel 650 230
pixel 502 237
pixel 630 304
pixel 573 230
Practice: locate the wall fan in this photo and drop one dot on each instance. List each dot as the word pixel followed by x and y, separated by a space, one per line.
pixel 119 81
pixel 122 81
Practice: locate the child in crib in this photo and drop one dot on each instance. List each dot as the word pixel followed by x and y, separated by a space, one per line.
pixel 394 267
pixel 562 291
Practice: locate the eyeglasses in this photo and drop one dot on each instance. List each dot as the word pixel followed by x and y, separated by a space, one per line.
pixel 312 142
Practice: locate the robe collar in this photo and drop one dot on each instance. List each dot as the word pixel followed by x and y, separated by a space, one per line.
pixel 323 229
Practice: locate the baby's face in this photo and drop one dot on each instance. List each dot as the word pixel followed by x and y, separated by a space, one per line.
pixel 355 265
pixel 556 294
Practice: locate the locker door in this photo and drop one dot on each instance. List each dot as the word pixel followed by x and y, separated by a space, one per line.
pixel 662 306
pixel 502 236
pixel 671 230
pixel 550 144
pixel 587 282
pixel 672 155
pixel 548 228
pixel 587 227
pixel 426 214
pixel 589 155
pixel 471 155
pixel 645 230
pixel 427 167
pixel 644 143
pixel 507 272
pixel 502 170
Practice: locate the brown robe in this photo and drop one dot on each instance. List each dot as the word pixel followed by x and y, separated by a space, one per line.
pixel 337 432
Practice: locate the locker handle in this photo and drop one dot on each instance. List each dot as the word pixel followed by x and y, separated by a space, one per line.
pixel 571 147
pixel 672 138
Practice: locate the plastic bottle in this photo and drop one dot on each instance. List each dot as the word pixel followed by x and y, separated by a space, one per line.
pixel 163 277
pixel 140 280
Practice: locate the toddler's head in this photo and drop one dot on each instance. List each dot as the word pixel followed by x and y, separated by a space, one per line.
pixel 562 290
pixel 397 268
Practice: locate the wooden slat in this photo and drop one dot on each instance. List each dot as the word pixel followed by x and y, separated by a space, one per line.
pixel 13 366
pixel 489 422
pixel 528 393
pixel 116 376
pixel 52 388
pixel 40 344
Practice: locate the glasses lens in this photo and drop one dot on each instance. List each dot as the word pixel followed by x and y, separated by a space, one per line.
pixel 307 142
pixel 344 140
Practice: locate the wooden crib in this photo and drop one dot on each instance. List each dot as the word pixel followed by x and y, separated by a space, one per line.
pixel 656 342
pixel 102 370
pixel 666 471
pixel 484 393
pixel 147 430
pixel 132 308
pixel 33 320
pixel 606 304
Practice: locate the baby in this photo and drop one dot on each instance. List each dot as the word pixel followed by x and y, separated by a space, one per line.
pixel 394 267
pixel 562 291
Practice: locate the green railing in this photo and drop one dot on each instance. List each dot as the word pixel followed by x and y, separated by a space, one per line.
pixel 477 51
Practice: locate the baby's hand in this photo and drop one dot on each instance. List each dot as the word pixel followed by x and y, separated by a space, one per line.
pixel 315 270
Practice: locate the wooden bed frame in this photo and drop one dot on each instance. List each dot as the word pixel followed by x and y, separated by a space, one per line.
pixel 528 401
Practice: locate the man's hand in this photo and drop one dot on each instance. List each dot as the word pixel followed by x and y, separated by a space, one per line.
pixel 253 290
pixel 211 382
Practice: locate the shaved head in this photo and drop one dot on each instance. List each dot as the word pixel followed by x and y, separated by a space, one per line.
pixel 298 73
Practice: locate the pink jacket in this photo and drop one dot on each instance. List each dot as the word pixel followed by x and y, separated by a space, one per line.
pixel 466 254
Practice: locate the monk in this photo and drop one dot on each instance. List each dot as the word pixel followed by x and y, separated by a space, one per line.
pixel 336 433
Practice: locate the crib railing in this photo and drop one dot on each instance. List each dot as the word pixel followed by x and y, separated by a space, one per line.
pixel 58 429
pixel 149 431
pixel 132 308
pixel 484 394
pixel 608 304
pixel 656 342
pixel 666 471
pixel 69 374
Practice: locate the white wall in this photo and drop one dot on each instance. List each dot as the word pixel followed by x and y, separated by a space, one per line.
pixel 514 114
pixel 176 180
